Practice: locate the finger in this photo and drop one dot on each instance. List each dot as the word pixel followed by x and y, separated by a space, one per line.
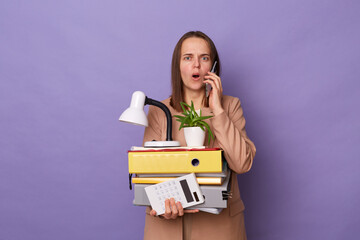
pixel 153 213
pixel 215 78
pixel 217 82
pixel 212 74
pixel 180 209
pixel 191 211
pixel 212 77
pixel 215 92
pixel 174 209
pixel 167 213
pixel 212 83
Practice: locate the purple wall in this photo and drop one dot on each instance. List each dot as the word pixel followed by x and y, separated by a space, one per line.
pixel 68 69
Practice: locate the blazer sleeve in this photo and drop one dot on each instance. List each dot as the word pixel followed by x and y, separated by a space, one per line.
pixel 229 130
pixel 154 129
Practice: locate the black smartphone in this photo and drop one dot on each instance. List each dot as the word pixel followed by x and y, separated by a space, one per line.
pixel 207 85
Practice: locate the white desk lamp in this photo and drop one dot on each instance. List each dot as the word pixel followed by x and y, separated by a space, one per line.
pixel 135 114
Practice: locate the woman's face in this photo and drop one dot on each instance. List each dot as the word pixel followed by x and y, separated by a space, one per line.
pixel 195 63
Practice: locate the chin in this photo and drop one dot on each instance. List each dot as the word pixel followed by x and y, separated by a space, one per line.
pixel 195 86
pixel 197 89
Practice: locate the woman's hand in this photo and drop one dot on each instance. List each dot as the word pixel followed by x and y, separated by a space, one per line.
pixel 173 210
pixel 216 93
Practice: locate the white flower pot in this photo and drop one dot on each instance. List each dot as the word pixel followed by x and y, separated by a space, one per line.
pixel 194 136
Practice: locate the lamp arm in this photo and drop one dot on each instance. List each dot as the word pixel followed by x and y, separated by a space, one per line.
pixel 167 114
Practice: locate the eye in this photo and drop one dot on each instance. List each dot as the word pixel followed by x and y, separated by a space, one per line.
pixel 187 58
pixel 205 58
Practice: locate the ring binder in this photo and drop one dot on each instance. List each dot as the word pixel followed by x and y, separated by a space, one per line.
pixel 175 161
pixel 213 195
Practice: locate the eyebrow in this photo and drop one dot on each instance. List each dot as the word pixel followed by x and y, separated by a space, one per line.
pixel 203 54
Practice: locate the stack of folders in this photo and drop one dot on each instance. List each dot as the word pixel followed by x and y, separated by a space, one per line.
pixel 152 166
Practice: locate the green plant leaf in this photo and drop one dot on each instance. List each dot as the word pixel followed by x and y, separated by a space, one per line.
pixel 181 126
pixel 209 131
pixel 184 105
pixel 204 117
pixel 193 112
pixel 196 122
pixel 202 127
pixel 179 117
pixel 196 114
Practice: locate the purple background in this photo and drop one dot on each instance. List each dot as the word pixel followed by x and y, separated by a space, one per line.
pixel 68 69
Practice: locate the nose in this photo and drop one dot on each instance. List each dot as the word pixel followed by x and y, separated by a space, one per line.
pixel 196 63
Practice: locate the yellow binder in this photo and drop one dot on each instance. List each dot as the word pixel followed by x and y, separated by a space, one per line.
pixel 171 161
pixel 200 180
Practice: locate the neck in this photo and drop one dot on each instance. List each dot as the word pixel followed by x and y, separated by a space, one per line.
pixel 197 98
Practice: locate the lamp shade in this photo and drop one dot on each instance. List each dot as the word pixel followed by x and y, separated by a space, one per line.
pixel 135 113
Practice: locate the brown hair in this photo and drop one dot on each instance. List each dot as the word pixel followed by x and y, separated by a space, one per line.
pixel 177 94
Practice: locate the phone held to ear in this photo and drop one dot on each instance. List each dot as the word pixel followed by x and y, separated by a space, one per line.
pixel 207 85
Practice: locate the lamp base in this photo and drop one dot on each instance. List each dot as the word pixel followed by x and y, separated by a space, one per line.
pixel 161 144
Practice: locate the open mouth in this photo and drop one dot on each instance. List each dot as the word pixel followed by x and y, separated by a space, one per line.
pixel 195 76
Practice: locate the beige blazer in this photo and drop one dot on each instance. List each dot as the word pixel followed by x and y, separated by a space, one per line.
pixel 230 135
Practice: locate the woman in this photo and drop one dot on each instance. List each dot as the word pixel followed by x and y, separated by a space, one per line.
pixel 193 57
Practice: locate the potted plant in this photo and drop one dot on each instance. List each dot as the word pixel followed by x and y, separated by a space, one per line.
pixel 194 125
